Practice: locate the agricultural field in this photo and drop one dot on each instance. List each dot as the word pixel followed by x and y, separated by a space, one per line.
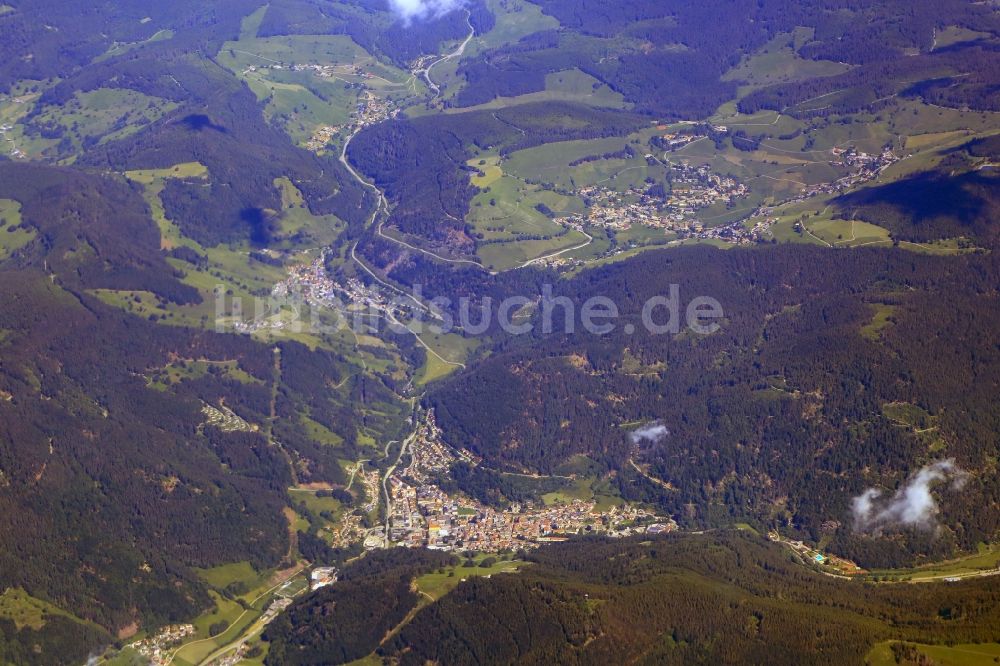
pixel 506 210
pixel 238 573
pixel 822 229
pixel 315 504
pixel 513 255
pixel 954 34
pixel 488 171
pixel 511 217
pixel 154 176
pixel 550 163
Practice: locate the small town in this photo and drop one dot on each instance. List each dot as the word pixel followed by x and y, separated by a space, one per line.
pixel 691 189
pixel 358 305
pixel 425 516
pixel 865 167
pixel 422 515
pixel 371 109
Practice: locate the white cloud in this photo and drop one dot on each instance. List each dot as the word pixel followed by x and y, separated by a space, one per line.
pixel 409 10
pixel 912 505
pixel 651 432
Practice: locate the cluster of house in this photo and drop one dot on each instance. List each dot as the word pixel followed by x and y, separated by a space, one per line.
pixel 690 189
pixel 15 152
pixel 158 648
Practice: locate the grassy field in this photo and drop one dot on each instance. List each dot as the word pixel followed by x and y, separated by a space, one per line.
pixel 954 34
pixel 300 99
pixel 452 348
pixel 105 114
pixel 241 614
pixel 908 414
pixel 507 213
pixel 299 223
pixel 227 574
pixel 514 19
pixel 436 585
pixel 966 654
pixel 489 171
pixel 153 180
pixel 187 170
pixel 587 489
pixel 190 369
pixel 507 209
pixel 25 610
pixel 986 558
pixel 778 62
pixel 118 49
pixel 569 85
pixel 315 504
pixel 511 255
pixel 227 265
pixel 12 239
pixel 292 50
pixel 550 163
pixel 321 433
pixel 882 318
pixel 250 26
pixel 848 233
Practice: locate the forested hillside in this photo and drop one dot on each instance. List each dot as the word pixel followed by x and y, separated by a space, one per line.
pixel 716 598
pixel 783 415
pixel 109 471
pixel 669 59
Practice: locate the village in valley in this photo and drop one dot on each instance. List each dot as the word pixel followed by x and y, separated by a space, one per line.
pixel 422 515
pixel 371 109
pixel 691 189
